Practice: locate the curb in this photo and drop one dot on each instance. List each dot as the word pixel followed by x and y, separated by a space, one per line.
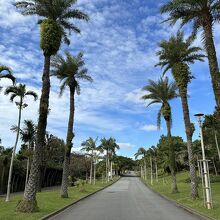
pixel 177 204
pixel 73 203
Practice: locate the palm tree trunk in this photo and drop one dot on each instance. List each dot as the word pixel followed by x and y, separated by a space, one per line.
pixel 91 165
pixel 106 166
pixel 172 160
pixel 151 171
pixel 27 167
pixel 13 152
pixel 29 202
pixel 142 172
pixel 213 62
pixel 70 136
pixel 111 169
pixel 94 177
pixel 156 169
pixel 145 169
pixel 194 185
pixel 217 146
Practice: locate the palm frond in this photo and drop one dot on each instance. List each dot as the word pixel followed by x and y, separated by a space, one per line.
pixel 32 93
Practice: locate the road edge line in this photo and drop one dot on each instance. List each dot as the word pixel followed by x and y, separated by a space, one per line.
pixel 73 203
pixel 177 204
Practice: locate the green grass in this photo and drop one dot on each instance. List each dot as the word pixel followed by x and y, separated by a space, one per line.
pixel 183 197
pixel 48 202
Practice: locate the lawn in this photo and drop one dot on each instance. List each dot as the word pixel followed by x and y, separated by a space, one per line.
pixel 183 197
pixel 48 202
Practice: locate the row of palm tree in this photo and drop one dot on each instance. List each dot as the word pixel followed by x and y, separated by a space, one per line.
pixel 55 20
pixel 176 54
pixel 16 91
pixel 107 147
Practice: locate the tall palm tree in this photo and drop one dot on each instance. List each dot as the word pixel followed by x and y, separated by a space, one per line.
pixel 8 75
pixel 176 54
pixel 70 70
pixel 55 24
pixel 107 145
pixel 113 146
pixel 155 154
pixel 162 91
pixel 142 152
pixel 150 154
pixel 203 14
pixel 18 91
pixel 27 133
pixel 90 146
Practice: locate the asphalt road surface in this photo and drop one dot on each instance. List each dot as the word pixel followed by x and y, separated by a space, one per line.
pixel 127 199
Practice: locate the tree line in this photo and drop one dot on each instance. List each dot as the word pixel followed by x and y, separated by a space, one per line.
pixel 175 56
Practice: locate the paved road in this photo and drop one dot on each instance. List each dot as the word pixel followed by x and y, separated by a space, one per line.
pixel 128 199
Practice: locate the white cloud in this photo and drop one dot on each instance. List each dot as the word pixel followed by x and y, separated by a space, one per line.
pixel 135 96
pixel 126 146
pixel 149 128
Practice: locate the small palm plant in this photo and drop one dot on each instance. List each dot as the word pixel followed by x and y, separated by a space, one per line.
pixel 70 70
pixel 162 92
pixel 55 24
pixel 176 54
pixel 203 14
pixel 8 75
pixel 18 91
pixel 142 152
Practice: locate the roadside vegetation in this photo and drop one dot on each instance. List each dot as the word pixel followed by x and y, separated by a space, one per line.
pixel 49 201
pixel 46 160
pixel 163 187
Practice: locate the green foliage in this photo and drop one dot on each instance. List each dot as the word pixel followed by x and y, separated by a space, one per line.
pixel 199 12
pixel 163 187
pixel 48 201
pixel 51 36
pixel 166 111
pixel 57 20
pixel 161 91
pixel 182 75
pixel 70 70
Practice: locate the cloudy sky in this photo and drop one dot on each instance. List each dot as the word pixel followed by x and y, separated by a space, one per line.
pixel 119 44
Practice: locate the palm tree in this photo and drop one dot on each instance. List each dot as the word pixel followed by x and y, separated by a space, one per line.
pixel 142 152
pixel 17 91
pixel 113 146
pixel 90 146
pixel 27 134
pixel 105 146
pixel 55 23
pixel 176 54
pixel 8 75
pixel 203 14
pixel 155 154
pixel 149 154
pixel 70 70
pixel 162 92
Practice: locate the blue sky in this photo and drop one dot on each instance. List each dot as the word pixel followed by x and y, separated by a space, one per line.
pixel 119 44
